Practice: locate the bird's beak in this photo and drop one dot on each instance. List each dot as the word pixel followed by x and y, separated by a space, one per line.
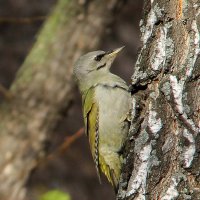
pixel 114 52
pixel 111 55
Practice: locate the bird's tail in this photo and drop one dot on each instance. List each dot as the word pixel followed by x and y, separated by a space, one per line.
pixel 111 167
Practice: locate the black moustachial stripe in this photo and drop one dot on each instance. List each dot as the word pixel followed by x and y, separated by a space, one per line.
pixel 101 66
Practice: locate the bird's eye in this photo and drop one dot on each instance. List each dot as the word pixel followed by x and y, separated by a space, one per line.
pixel 99 57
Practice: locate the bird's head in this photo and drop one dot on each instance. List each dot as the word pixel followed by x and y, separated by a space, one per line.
pixel 94 65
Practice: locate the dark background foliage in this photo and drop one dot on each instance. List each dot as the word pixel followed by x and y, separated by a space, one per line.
pixel 72 171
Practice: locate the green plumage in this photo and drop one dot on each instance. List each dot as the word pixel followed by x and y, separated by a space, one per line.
pixel 91 120
pixel 106 104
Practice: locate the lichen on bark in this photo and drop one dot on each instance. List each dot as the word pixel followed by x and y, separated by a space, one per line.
pixel 165 87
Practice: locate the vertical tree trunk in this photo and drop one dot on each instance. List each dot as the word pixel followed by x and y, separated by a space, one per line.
pixel 43 87
pixel 163 160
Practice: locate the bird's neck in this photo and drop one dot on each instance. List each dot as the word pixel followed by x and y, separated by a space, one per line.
pixel 107 79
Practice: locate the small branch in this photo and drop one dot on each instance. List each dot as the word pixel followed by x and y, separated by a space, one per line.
pixel 66 144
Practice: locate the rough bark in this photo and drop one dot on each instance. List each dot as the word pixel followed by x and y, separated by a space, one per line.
pixel 43 86
pixel 163 160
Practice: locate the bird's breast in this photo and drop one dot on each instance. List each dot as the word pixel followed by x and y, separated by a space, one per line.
pixel 114 105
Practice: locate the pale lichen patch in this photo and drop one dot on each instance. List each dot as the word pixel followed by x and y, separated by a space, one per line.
pixel 157 59
pixel 177 90
pixel 172 192
pixel 133 111
pixel 138 178
pixel 141 141
pixel 154 123
pixel 168 145
pixel 189 151
pixel 166 90
pixel 147 30
pixel 169 47
pixel 194 43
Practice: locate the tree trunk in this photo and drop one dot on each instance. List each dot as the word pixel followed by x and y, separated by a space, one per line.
pixel 43 87
pixel 163 160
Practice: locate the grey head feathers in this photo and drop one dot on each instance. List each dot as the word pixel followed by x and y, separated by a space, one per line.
pixel 93 68
pixel 88 63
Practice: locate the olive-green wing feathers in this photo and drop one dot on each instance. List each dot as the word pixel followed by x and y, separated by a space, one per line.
pixel 91 120
pixel 87 101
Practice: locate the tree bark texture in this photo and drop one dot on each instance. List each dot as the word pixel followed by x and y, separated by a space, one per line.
pixel 43 87
pixel 163 159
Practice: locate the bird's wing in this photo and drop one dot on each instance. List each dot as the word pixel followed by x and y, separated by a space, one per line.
pixel 91 119
pixel 87 101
